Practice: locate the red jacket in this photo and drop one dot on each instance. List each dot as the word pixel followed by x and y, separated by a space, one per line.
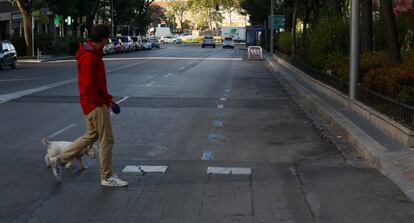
pixel 91 78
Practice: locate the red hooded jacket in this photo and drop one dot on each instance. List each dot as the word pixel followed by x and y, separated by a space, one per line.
pixel 91 78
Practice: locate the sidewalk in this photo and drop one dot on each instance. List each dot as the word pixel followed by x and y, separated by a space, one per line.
pixel 381 151
pixel 44 58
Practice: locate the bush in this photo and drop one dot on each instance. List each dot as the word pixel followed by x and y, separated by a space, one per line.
pixel 330 37
pixel 393 80
pixel 19 45
pixel 284 42
pixel 44 43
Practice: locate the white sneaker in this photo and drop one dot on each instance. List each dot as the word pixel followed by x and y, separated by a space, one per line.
pixel 114 181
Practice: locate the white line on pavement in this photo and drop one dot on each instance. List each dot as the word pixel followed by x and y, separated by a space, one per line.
pixel 169 74
pixel 223 99
pixel 61 131
pixel 182 68
pixel 15 95
pixel 150 84
pixel 22 79
pixel 123 99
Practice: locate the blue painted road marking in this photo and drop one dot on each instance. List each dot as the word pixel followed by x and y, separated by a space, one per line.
pixel 208 155
pixel 212 136
pixel 217 123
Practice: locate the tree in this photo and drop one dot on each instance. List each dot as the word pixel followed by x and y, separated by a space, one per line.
pixel 178 8
pixel 26 8
pixel 391 27
pixel 366 26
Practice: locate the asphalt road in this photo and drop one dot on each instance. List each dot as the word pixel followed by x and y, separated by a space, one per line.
pixel 187 108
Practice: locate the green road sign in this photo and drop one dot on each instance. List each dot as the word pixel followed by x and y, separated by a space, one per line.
pixel 276 22
pixel 57 20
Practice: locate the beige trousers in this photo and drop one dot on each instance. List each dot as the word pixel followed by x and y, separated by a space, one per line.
pixel 98 126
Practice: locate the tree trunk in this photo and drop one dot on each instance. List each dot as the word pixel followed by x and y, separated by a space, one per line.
pixel 289 15
pixel 27 26
pixel 391 28
pixel 305 29
pixel 366 26
pixel 294 22
pixel 315 16
pixel 335 7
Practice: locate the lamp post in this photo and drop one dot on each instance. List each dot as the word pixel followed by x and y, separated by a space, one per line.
pixel 354 61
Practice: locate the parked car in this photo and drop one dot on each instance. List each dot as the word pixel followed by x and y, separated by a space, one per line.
pixel 208 41
pixel 118 45
pixel 146 44
pixel 170 39
pixel 137 42
pixel 228 42
pixel 127 42
pixel 8 55
pixel 109 48
pixel 154 42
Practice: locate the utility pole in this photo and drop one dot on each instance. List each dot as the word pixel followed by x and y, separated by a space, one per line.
pixel 33 36
pixel 354 62
pixel 272 13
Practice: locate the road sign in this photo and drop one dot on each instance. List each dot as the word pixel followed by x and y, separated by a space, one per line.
pixel 276 22
pixel 255 52
pixel 57 20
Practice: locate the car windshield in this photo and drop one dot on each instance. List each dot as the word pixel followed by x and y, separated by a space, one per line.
pixel 228 38
pixel 208 38
pixel 124 39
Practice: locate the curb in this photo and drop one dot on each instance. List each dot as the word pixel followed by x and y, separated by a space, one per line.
pixel 45 59
pixel 398 166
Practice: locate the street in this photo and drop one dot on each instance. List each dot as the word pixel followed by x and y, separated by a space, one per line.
pixel 188 108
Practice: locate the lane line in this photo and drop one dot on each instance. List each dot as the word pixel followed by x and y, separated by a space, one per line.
pixel 182 68
pixel 15 95
pixel 123 99
pixel 169 74
pixel 223 99
pixel 19 94
pixel 150 84
pixel 220 106
pixel 22 79
pixel 61 131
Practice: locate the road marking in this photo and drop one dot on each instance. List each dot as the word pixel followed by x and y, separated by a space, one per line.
pixel 150 84
pixel 229 170
pixel 212 136
pixel 144 169
pixel 208 155
pixel 169 74
pixel 123 99
pixel 61 131
pixel 227 90
pixel 182 68
pixel 19 94
pixel 22 79
pixel 220 106
pixel 223 99
pixel 217 123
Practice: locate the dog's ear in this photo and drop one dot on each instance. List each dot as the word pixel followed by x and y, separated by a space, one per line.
pixel 45 142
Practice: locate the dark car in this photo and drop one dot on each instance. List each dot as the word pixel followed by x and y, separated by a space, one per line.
pixel 8 55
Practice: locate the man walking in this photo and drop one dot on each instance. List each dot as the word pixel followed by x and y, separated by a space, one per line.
pixel 95 101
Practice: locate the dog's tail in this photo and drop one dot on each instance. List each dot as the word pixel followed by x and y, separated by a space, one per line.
pixel 45 141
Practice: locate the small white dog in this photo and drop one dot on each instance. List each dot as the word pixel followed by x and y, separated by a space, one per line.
pixel 55 148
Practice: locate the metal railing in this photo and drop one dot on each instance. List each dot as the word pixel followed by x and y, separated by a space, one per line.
pixel 402 113
pixel 399 112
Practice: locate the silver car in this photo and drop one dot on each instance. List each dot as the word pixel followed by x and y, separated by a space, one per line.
pixel 170 39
